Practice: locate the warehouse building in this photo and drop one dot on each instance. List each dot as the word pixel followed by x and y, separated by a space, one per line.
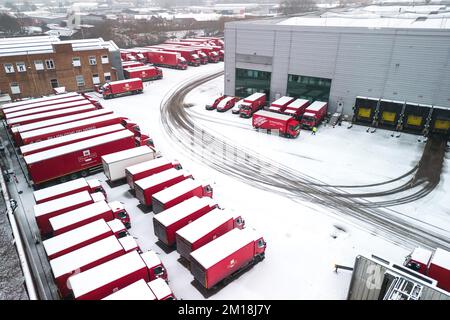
pixel 398 54
pixel 34 66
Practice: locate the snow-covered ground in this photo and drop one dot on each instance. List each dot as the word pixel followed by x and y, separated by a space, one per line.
pixel 304 240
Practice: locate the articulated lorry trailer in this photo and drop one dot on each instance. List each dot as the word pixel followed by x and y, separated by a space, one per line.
pixel 121 88
pixel 145 73
pixel 166 59
pixel 190 56
pixel 286 125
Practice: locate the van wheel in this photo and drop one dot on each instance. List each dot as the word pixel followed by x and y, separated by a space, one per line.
pixel 84 173
pixel 63 179
pixel 73 176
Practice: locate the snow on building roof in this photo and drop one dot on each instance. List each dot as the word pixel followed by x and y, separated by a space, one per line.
pixel 421 255
pixel 60 120
pixel 126 154
pixel 116 225
pixel 77 215
pixel 255 96
pixel 222 247
pixel 73 237
pixel 282 101
pixel 183 209
pixel 273 115
pixel 441 258
pixel 61 203
pixel 138 290
pixel 176 190
pixel 70 137
pixel 59 189
pixel 82 145
pixel 224 101
pixel 150 259
pixel 87 106
pixel 48 108
pixel 87 281
pixel 159 288
pixel 84 256
pixel 297 103
pixel 43 104
pixel 205 224
pixel 128 243
pixel 159 178
pixel 316 106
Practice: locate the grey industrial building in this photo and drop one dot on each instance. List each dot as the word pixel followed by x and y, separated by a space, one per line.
pixel 395 53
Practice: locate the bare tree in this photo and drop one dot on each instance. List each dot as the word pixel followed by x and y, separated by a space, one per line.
pixel 297 6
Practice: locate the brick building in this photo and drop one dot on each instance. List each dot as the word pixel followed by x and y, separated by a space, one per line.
pixel 33 66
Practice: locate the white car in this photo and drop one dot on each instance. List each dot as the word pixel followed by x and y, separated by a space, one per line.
pixel 237 107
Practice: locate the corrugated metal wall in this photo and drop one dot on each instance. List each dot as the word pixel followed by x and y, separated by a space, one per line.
pixel 412 65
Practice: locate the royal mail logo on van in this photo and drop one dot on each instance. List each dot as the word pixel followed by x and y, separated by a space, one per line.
pixel 231 264
pixel 144 74
pixel 161 58
pixel 260 121
pixel 126 87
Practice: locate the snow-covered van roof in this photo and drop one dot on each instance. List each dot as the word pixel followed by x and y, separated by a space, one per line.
pixel 61 120
pixel 160 288
pixel 183 209
pixel 441 258
pixel 150 259
pixel 282 101
pixel 273 115
pixel 308 114
pixel 87 281
pixel 200 227
pixel 316 106
pixel 224 101
pixel 37 116
pixel 222 247
pixel 148 165
pixel 71 238
pixel 176 190
pixel 138 290
pixel 141 68
pixel 126 154
pixel 77 215
pixel 61 203
pixel 255 96
pixel 128 243
pixel 160 177
pixel 93 183
pixel 125 81
pixel 421 255
pixel 48 108
pixel 70 137
pixel 37 100
pixel 82 145
pixel 297 103
pixel 66 126
pixel 59 189
pixel 37 105
pixel 85 255
pixel 116 225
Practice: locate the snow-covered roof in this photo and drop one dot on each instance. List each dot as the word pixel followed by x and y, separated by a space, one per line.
pixel 37 100
pixel 282 101
pixel 43 104
pixel 77 215
pixel 70 137
pixel 126 154
pixel 159 178
pixel 82 145
pixel 87 281
pixel 93 183
pixel 297 103
pixel 66 126
pixel 116 206
pixel 87 106
pixel 309 114
pixel 441 258
pixel 421 255
pixel 205 224
pixel 51 122
pixel 71 238
pixel 61 203
pixel 150 259
pixel 84 256
pixel 316 106
pixel 98 196
pixel 255 96
pixel 224 246
pixel 138 290
pixel 148 165
pixel 116 225
pixel 176 190
pixel 128 243
pixel 48 108
pixel 273 115
pixel 59 188
pixel 160 288
pixel 183 209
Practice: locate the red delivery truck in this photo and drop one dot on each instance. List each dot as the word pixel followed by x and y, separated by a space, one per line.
pixel 121 88
pixel 68 139
pixel 179 192
pixel 166 59
pixel 215 103
pixel 157 289
pixel 144 73
pixel 434 265
pixel 296 108
pixel 171 220
pixel 114 164
pixel 81 216
pixel 205 229
pixel 102 280
pixel 75 158
pixel 161 289
pixel 286 125
pixel 83 259
pixel 314 114
pixel 252 104
pixel 145 188
pixel 68 188
pixel 189 55
pixel 210 52
pixel 82 236
pixel 132 64
pixel 147 168
pixel 44 211
pixel 281 104
pixel 75 127
pixel 227 256
pixel 226 104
